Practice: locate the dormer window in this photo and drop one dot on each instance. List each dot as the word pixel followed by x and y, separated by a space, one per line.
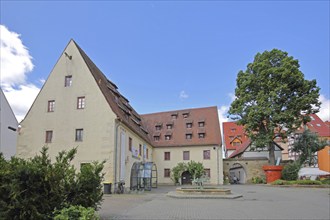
pixel 233 129
pixel 174 116
pixel 168 137
pixel 156 138
pixel 189 125
pixel 201 135
pixel 188 136
pixel 201 124
pixel 158 127
pixel 169 126
pixel 185 114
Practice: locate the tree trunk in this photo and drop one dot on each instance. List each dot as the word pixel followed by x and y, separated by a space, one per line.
pixel 271 148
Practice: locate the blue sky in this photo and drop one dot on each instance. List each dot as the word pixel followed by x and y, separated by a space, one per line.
pixel 170 55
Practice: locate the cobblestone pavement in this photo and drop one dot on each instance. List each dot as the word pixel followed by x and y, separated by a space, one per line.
pixel 258 202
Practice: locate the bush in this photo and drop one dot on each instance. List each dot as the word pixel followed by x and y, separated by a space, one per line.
pixel 325 181
pixel 34 188
pixel 177 171
pixel 258 180
pixel 308 182
pixel 290 171
pixel 76 212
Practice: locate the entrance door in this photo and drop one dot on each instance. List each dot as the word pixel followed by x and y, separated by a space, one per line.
pixel 186 178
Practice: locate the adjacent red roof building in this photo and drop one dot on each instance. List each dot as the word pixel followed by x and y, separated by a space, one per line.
pixel 233 135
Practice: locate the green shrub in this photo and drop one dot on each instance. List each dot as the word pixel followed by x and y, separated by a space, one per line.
pixel 34 188
pixel 258 180
pixel 290 171
pixel 325 181
pixel 308 182
pixel 279 182
pixel 177 171
pixel 77 213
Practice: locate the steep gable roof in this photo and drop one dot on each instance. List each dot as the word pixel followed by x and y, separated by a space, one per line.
pixel 118 103
pixel 231 129
pixel 317 126
pixel 174 123
pixel 241 149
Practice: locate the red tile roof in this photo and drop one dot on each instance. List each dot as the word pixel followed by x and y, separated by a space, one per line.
pixel 318 126
pixel 179 130
pixel 231 129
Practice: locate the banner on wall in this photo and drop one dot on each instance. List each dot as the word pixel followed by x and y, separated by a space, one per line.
pixel 135 152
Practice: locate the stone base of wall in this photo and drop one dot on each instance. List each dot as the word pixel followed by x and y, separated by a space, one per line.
pixel 251 166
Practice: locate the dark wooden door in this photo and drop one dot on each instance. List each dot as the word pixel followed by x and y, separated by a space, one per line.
pixel 186 178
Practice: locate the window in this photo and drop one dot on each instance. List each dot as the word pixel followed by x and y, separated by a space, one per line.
pixel 185 114
pixel 186 155
pixel 189 125
pixel 231 137
pixel 79 134
pixel 147 153
pixel 51 106
pixel 167 137
pixel 49 136
pixel 188 136
pixel 167 155
pixel 207 172
pixel 81 102
pixel 68 81
pixel 206 155
pixel 201 124
pixel 201 135
pixel 169 126
pixel 236 143
pixel 167 172
pixel 174 116
pixel 158 127
pixel 130 143
pixel 140 149
pixel 156 138
pixel 233 129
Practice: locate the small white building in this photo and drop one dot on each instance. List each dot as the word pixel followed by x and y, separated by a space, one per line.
pixel 8 128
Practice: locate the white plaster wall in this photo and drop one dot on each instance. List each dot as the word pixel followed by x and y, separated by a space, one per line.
pixel 8 137
pixel 196 154
pixel 97 119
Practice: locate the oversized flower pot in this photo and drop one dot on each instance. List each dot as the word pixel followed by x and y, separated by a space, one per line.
pixel 272 172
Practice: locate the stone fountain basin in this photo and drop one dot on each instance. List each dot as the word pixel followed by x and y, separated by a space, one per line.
pixel 204 190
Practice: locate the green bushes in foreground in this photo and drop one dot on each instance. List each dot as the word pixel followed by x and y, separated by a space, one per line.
pixel 36 187
pixel 77 213
pixel 297 182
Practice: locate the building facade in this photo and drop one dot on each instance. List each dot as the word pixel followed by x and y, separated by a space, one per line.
pixel 79 107
pixel 8 128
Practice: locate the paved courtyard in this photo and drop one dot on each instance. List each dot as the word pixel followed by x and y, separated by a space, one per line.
pixel 258 202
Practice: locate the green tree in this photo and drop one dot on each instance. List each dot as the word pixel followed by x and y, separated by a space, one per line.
pixel 177 171
pixel 196 169
pixel 36 188
pixel 306 145
pixel 271 98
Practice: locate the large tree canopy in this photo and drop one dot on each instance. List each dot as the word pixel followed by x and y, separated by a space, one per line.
pixel 272 96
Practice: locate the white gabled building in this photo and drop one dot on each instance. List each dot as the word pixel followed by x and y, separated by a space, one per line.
pixel 79 107
pixel 8 128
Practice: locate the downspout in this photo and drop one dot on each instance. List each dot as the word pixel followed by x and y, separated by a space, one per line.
pixel 117 123
pixel 218 171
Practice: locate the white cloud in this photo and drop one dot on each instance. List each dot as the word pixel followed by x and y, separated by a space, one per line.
pixel 16 63
pixel 183 95
pixel 232 96
pixel 324 113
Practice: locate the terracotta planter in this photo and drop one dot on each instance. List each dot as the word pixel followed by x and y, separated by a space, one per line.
pixel 272 172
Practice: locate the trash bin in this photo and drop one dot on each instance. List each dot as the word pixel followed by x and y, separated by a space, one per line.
pixel 107 188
